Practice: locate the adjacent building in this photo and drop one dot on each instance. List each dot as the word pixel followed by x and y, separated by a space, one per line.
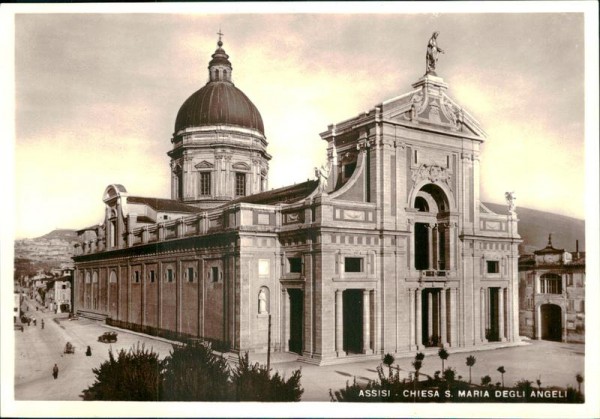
pixel 552 294
pixel 388 250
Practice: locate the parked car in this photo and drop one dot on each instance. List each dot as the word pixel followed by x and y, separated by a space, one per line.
pixel 108 337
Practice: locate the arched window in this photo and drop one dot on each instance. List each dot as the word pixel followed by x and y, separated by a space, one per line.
pixel 113 277
pixel 421 204
pixel 263 300
pixel 550 284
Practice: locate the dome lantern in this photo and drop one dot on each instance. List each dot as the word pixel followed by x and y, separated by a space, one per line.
pixel 219 68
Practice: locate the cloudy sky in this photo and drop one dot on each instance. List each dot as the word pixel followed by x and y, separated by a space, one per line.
pixel 97 95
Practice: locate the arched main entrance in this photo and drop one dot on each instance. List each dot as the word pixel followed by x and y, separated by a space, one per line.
pixel 551 319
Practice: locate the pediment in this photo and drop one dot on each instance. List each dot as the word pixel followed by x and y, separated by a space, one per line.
pixel 204 165
pixel 429 105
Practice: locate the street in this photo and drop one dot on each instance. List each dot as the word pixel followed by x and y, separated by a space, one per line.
pixel 37 350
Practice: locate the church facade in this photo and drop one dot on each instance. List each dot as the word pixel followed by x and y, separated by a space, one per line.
pixel 388 250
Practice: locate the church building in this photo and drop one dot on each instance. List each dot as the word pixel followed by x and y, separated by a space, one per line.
pixel 388 250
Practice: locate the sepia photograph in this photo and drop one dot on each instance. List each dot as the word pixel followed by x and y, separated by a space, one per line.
pixel 350 209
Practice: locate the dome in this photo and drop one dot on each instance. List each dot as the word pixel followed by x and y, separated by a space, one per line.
pixel 219 102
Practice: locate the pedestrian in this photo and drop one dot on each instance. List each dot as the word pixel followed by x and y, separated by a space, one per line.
pixel 35 322
pixel 42 323
pixel 55 371
pixel 88 352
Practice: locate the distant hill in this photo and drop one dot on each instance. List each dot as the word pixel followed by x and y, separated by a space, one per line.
pixel 535 225
pixel 63 234
pixel 48 251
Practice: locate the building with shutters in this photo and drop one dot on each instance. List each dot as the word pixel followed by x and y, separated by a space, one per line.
pixel 388 250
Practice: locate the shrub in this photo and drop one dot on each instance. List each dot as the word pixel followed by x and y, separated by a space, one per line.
pixel 133 375
pixel 524 385
pixel 486 380
pixel 253 382
pixel 193 372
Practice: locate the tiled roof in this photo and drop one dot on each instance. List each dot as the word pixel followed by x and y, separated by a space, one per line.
pixel 165 205
pixel 287 194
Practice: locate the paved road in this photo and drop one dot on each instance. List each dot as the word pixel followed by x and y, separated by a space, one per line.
pixel 37 350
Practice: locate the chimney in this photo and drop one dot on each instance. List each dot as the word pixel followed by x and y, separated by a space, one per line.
pixel 576 249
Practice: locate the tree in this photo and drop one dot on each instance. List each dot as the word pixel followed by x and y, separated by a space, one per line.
pixel 486 380
pixel 134 375
pixel 443 354
pixel 193 372
pixel 253 382
pixel 539 382
pixel 470 362
pixel 579 379
pixel 418 364
pixel 501 370
pixel 388 359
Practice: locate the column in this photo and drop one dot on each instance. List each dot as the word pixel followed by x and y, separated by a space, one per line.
pixel 482 314
pixel 339 323
pixel 419 319
pixel 411 319
pixel 444 335
pixel 366 322
pixel 430 246
pixel 429 315
pixel 538 322
pixel 501 314
pixel 435 247
pixel 453 324
pixel 286 320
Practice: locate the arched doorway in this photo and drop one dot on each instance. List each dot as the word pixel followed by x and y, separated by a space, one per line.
pixel 431 239
pixel 551 318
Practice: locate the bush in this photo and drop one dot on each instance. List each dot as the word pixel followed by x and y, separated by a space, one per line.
pixel 134 375
pixel 193 372
pixel 255 383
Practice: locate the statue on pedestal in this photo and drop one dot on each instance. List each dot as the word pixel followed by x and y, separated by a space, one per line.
pixel 510 200
pixel 322 174
pixel 432 54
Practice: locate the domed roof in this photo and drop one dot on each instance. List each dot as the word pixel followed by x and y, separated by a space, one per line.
pixel 219 102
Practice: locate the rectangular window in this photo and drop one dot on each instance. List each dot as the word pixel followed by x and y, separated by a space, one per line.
pixel 353 264
pixel 190 274
pixel 205 183
pixel 169 275
pixel 214 274
pixel 448 162
pixel 416 157
pixel 152 275
pixel 570 279
pixel 493 267
pixel 240 184
pixel 295 265
pixel 136 276
pixel 113 234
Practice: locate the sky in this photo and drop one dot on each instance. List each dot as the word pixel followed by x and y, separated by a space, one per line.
pixel 96 96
